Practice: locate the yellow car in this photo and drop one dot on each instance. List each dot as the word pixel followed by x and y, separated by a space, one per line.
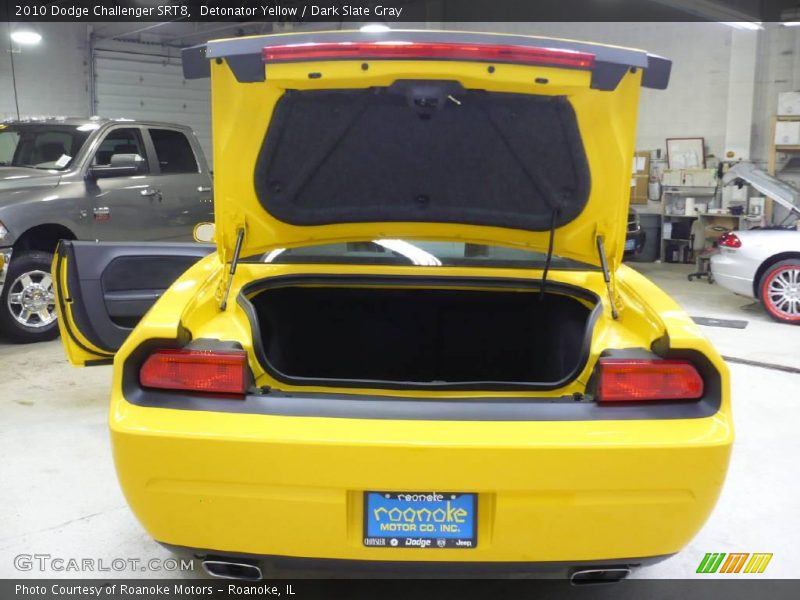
pixel 413 340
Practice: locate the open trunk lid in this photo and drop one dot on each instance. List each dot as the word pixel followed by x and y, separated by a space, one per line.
pixel 343 136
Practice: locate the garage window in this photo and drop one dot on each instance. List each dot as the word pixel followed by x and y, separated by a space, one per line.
pixel 121 141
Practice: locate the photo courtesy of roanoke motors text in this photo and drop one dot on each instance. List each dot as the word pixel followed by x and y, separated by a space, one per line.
pixel 411 297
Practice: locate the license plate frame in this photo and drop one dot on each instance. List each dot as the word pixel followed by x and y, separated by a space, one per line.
pixel 440 520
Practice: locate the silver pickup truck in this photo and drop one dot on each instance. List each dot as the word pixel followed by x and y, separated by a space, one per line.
pixel 88 179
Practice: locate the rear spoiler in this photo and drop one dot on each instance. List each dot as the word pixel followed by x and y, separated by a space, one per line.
pixel 244 55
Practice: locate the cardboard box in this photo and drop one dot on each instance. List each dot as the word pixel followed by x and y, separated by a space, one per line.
pixel 789 104
pixel 641 162
pixel 639 189
pixel 787 133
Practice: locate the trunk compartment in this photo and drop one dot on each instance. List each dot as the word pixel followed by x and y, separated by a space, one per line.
pixel 423 335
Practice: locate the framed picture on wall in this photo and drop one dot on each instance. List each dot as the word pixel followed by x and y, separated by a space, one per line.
pixel 686 153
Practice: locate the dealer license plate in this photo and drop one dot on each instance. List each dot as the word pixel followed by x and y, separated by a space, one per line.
pixel 420 520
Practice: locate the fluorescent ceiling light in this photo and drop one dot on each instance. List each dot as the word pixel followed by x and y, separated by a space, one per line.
pixel 274 254
pixel 26 37
pixel 790 17
pixel 716 10
pixel 374 28
pixel 747 25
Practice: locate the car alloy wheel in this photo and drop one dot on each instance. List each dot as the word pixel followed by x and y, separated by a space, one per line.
pixel 781 293
pixel 31 300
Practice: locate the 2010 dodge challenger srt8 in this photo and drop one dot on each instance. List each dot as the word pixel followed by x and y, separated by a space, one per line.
pixel 413 340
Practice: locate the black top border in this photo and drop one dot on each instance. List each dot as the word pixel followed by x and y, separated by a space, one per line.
pixel 393 11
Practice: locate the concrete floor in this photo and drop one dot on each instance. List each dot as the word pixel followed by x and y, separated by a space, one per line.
pixel 763 340
pixel 59 494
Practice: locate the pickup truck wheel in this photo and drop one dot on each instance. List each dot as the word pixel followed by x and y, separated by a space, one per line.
pixel 27 304
pixel 780 291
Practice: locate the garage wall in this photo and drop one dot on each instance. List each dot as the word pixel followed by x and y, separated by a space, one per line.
pixel 778 70
pixel 708 94
pixel 695 103
pixel 139 81
pixel 52 77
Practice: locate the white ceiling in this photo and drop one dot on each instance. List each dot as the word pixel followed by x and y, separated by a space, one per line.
pixel 177 33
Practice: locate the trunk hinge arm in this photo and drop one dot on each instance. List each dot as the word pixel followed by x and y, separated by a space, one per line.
pixel 548 260
pixel 601 251
pixel 228 281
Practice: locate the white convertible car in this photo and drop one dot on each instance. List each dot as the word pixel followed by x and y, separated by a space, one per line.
pixel 763 263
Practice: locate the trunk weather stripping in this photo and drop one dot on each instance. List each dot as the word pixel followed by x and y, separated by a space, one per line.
pixel 234 263
pixel 261 285
pixel 601 251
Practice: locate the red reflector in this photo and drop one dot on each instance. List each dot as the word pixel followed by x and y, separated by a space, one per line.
pixel 431 51
pixel 196 370
pixel 729 240
pixel 633 380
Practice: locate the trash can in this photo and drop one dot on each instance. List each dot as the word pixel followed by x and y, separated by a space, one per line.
pixel 651 224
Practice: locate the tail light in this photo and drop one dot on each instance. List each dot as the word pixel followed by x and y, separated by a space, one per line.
pixel 214 372
pixel 636 380
pixel 429 50
pixel 729 240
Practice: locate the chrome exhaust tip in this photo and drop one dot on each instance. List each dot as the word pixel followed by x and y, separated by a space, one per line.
pixel 598 575
pixel 225 569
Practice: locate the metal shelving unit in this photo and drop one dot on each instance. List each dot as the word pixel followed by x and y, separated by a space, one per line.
pixel 668 197
pixel 772 159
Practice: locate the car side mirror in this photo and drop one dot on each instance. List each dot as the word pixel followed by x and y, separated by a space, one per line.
pixel 121 165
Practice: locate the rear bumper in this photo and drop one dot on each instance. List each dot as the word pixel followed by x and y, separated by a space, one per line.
pixel 728 272
pixel 577 491
pixel 322 566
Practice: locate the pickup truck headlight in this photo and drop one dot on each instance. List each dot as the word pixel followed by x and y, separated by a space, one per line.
pixel 3 231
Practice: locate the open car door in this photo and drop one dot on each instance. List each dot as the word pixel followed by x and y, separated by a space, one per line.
pixel 104 289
